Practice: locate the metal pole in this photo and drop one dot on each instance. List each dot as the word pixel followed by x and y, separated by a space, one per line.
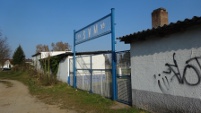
pixel 74 63
pixel 91 74
pixel 114 85
pixel 68 68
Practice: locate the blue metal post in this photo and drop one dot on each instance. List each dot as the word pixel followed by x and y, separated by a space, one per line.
pixel 114 85
pixel 74 63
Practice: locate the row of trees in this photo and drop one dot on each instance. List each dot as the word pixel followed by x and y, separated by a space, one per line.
pixel 5 51
pixel 59 46
pixel 50 64
pixel 19 56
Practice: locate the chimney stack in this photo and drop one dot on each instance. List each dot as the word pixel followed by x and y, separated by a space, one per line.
pixel 159 17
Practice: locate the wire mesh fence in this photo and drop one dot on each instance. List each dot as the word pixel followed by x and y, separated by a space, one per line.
pixel 93 74
pixel 124 93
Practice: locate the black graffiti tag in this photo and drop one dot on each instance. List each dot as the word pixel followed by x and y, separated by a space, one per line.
pixel 182 78
pixel 163 82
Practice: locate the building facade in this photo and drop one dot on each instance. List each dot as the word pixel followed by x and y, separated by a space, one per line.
pixel 7 65
pixel 166 67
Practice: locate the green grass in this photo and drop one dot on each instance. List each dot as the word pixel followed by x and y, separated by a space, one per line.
pixel 14 75
pixel 67 97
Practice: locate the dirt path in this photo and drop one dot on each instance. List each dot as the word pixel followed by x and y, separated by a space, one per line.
pixel 16 99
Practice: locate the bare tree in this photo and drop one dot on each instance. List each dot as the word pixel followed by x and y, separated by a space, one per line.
pixel 60 46
pixel 4 49
pixel 42 48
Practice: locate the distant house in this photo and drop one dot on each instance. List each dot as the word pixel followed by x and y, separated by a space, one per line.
pixel 7 65
pixel 166 65
pixel 29 61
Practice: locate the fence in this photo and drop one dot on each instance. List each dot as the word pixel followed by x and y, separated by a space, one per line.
pixel 124 93
pixel 94 74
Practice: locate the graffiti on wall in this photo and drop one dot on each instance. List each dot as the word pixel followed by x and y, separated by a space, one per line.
pixel 173 70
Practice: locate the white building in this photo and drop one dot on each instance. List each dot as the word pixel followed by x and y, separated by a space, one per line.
pixel 166 65
pixel 84 62
pixel 7 65
pixel 36 57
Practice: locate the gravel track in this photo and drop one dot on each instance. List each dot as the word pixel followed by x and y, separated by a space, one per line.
pixel 16 99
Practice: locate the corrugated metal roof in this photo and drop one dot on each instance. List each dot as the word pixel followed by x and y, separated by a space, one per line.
pixel 51 52
pixel 162 31
pixel 36 54
pixel 85 53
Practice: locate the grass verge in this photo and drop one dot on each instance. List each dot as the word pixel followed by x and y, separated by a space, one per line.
pixel 66 97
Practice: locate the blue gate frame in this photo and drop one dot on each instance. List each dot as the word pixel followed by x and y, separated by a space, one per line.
pixel 81 37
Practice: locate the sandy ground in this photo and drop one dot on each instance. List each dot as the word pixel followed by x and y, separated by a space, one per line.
pixel 16 99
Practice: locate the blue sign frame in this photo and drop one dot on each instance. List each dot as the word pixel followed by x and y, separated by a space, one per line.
pixel 94 30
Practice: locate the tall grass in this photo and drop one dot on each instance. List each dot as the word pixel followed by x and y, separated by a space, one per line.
pixel 64 95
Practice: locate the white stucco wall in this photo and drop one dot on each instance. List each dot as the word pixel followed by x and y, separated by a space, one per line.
pixel 7 65
pixel 98 62
pixel 83 62
pixel 62 74
pixel 36 62
pixel 148 63
pixel 43 55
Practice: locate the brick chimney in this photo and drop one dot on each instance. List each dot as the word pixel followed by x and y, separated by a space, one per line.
pixel 159 17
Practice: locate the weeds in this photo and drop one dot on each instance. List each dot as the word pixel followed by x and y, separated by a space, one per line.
pixel 64 95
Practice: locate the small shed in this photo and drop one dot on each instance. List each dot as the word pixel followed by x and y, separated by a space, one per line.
pixel 83 61
pixel 42 55
pixel 7 64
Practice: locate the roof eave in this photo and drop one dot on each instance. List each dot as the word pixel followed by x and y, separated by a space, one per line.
pixel 161 31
